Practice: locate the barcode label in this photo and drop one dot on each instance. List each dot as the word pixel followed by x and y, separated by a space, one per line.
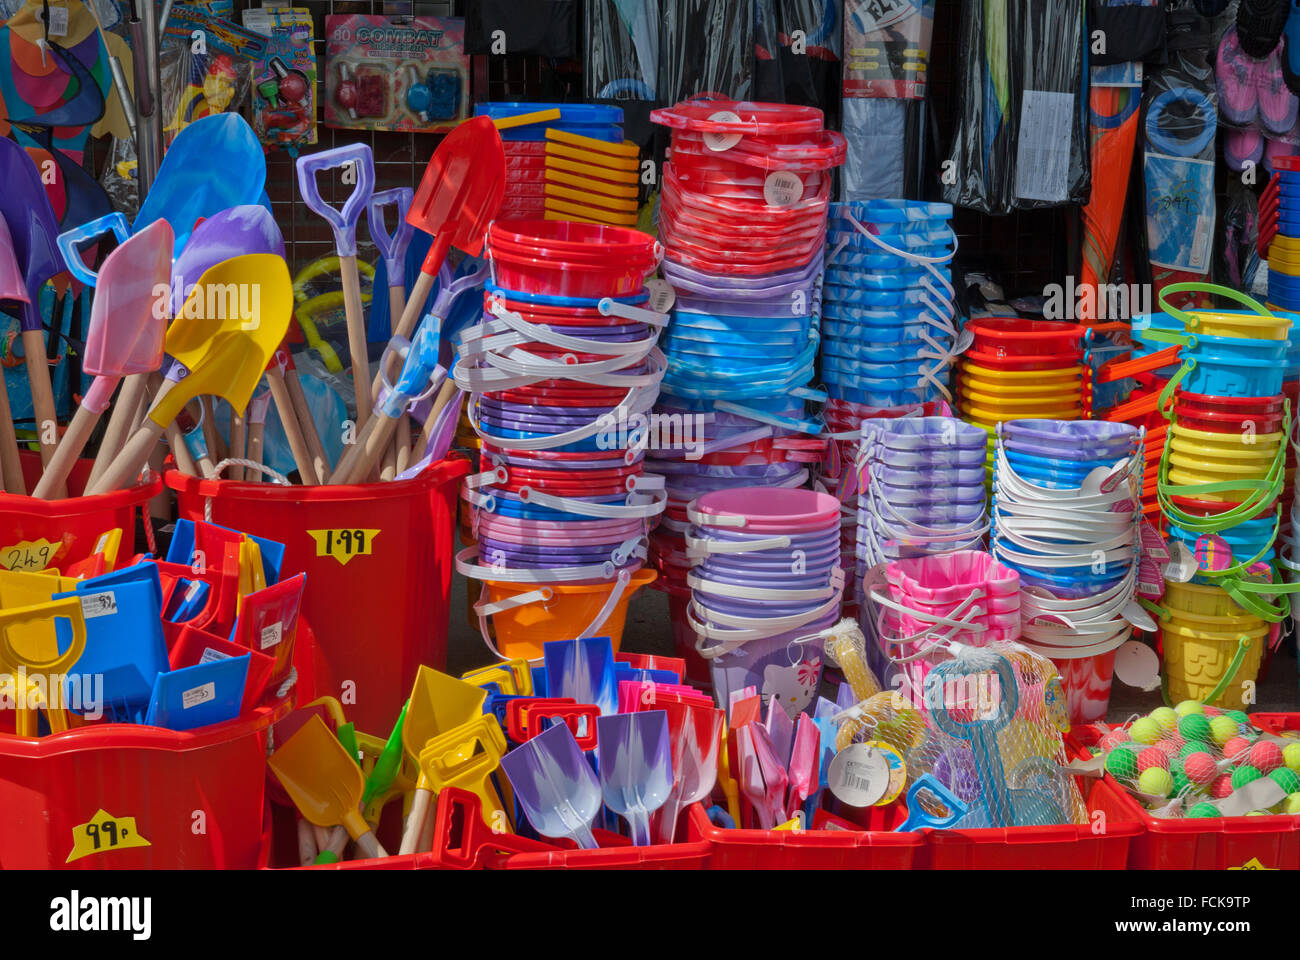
pixel 272 634
pixel 210 655
pixel 197 695
pixel 99 604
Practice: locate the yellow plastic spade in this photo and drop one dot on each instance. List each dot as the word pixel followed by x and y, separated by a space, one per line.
pixel 21 589
pixel 228 329
pixel 39 665
pixel 466 757
pixel 252 575
pixel 498 673
pixel 325 783
pixel 438 703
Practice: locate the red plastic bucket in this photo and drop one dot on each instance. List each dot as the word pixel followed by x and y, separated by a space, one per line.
pixel 1014 337
pixel 35 534
pixel 684 636
pixel 378 559
pixel 124 797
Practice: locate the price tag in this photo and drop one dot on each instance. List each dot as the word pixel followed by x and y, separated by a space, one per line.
pixel 867 774
pixel 103 833
pixel 1182 564
pixel 28 555
pixel 343 544
pixel 723 141
pixel 211 656
pixel 99 604
pixel 782 188
pixel 1213 553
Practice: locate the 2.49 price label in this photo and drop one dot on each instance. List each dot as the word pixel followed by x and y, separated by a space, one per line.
pixel 343 544
pixel 29 555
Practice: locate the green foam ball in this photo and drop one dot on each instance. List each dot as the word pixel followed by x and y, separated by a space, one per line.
pixel 1202 811
pixel 1121 763
pixel 1194 727
pixel 1243 775
pixel 1287 779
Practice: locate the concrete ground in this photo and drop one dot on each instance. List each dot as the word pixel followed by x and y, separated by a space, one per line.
pixel 648 631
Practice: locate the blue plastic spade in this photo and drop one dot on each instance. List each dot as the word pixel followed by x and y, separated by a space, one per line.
pixel 555 785
pixel 124 643
pixel 199 695
pixel 584 670
pixel 636 767
pixel 187 536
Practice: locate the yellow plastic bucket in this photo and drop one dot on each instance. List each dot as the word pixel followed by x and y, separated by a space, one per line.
pixel 1045 388
pixel 1244 456
pixel 1189 478
pixel 1221 467
pixel 573 607
pixel 1016 403
pixel 1196 662
pixel 1201 600
pixel 1230 441
pixel 1020 376
pixel 998 415
pixel 1250 326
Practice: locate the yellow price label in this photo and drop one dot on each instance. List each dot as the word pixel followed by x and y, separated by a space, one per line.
pixel 343 544
pixel 1252 864
pixel 104 832
pixel 28 555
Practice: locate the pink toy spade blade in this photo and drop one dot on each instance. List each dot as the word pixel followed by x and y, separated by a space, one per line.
pixel 762 777
pixel 128 322
pixel 11 275
pixel 803 766
pixel 696 734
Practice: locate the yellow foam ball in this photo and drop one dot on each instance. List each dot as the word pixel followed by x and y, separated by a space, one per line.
pixel 1166 718
pixel 1222 729
pixel 1145 730
pixel 1189 706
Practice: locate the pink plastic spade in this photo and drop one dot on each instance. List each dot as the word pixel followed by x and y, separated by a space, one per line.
pixel 127 324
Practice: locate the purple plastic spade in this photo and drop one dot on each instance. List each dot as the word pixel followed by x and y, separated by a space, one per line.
pixel 555 785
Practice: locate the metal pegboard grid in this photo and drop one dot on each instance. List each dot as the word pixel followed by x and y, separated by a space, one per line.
pixel 1025 250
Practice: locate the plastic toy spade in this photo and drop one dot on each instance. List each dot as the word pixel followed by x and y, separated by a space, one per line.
pixel 762 777
pixel 224 350
pixel 982 731
pixel 325 783
pixel 696 734
pixel 466 757
pixel 438 703
pixel 926 793
pixel 31 666
pixel 214 164
pixel 555 785
pixel 584 670
pixel 459 195
pixel 636 767
pixel 360 160
pixel 126 332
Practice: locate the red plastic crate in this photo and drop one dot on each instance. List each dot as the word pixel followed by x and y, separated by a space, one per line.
pixel 1060 847
pixel 1225 843
pixel 874 849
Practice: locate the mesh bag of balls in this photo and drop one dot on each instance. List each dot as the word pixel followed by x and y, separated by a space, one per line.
pixel 1198 761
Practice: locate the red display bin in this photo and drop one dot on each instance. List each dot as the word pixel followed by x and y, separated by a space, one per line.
pixel 1224 843
pixel 378 559
pixel 876 848
pixel 121 796
pixel 36 534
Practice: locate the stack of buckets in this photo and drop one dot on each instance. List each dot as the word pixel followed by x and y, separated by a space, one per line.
pixel 912 606
pixel 1221 478
pixel 1016 369
pixel 562 365
pixel 765 583
pixel 529 176
pixel 888 332
pixel 1149 367
pixel 921 483
pixel 1064 517
pixel 1284 287
pixel 742 218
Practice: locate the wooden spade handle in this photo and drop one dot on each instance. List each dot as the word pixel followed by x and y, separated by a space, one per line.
pixel 120 422
pixel 38 376
pixel 10 465
pixel 126 465
pixel 238 444
pixel 302 456
pixel 365 453
pixel 74 441
pixel 404 328
pixel 307 424
pixel 356 336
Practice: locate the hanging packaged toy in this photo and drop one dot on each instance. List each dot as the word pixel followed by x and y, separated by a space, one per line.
pixel 395 73
pixel 284 81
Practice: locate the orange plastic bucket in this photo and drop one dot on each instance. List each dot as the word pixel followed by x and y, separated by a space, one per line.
pixel 35 534
pixel 378 559
pixel 521 630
